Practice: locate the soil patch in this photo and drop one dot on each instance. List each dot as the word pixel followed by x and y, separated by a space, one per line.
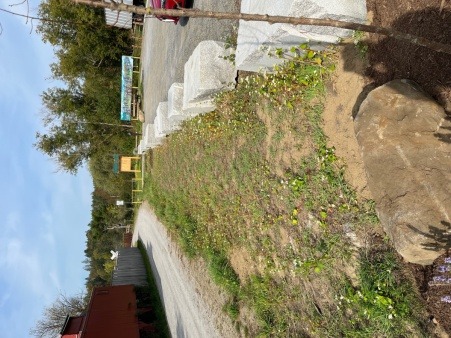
pixel 343 96
pixel 434 285
pixel 283 146
pixel 389 59
pixel 242 263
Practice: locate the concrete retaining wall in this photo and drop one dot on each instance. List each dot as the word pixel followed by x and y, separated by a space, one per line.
pixel 255 38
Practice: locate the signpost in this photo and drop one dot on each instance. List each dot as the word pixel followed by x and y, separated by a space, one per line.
pixel 126 88
pixel 129 103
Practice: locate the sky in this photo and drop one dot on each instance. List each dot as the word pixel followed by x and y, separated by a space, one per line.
pixel 44 212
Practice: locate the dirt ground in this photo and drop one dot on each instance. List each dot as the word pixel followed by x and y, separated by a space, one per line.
pixel 192 301
pixel 388 59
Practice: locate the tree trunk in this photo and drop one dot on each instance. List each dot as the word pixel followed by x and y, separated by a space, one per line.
pixel 195 13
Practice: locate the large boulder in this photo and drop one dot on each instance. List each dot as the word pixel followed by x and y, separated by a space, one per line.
pixel 407 156
pixel 255 38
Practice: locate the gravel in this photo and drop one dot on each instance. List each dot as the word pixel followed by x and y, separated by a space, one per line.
pixel 192 302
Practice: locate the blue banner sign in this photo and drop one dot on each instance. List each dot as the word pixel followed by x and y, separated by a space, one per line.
pixel 116 163
pixel 126 88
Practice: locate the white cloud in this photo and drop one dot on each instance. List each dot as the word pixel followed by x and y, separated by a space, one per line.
pixel 12 220
pixel 44 214
pixel 16 172
pixel 29 271
pixel 55 279
pixel 17 320
pixel 47 225
pixel 5 297
pixel 48 238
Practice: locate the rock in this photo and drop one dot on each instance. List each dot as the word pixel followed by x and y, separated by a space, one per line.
pixel 408 165
pixel 141 116
pixel 141 149
pixel 255 38
pixel 150 139
pixel 206 74
pixel 163 125
pixel 175 103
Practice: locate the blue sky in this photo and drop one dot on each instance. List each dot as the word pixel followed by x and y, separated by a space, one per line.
pixel 44 213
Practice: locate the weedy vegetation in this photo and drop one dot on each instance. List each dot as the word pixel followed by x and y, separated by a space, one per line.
pixel 360 43
pixel 149 296
pixel 255 190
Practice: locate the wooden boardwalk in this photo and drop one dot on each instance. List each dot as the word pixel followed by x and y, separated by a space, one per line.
pixel 130 268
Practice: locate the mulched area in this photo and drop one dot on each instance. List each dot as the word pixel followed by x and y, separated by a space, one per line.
pixel 434 284
pixel 391 59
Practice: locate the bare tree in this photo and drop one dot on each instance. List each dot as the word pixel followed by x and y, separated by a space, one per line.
pixel 29 18
pixel 53 316
pixel 196 13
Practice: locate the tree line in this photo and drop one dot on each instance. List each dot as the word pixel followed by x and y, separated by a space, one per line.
pixel 83 127
pixel 82 117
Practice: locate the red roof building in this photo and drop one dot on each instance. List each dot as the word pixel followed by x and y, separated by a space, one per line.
pixel 111 313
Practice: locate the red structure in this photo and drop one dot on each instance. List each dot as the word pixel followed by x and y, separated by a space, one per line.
pixel 127 239
pixel 111 313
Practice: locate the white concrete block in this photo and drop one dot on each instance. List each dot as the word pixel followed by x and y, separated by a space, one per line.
pixel 199 107
pixel 255 38
pixel 206 74
pixel 163 125
pixel 141 149
pixel 175 103
pixel 150 139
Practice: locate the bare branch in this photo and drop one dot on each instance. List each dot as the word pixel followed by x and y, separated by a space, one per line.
pixel 54 315
pixel 31 17
pixel 18 4
pixel 21 3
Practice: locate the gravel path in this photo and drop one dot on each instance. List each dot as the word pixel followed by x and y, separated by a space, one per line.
pixel 192 302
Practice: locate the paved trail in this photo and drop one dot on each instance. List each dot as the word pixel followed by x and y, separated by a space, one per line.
pixel 187 313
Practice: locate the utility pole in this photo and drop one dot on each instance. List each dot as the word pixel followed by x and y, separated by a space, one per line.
pixel 196 13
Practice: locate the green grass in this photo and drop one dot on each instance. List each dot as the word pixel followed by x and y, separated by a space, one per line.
pixel 256 177
pixel 360 44
pixel 153 298
pixel 385 304
pixel 222 273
